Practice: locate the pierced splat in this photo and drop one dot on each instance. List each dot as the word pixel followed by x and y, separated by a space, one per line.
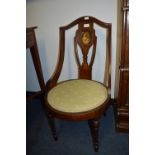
pixel 85 37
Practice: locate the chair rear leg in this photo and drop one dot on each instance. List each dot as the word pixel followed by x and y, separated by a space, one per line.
pixel 51 121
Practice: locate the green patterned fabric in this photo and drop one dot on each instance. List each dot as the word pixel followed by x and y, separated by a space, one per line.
pixel 77 95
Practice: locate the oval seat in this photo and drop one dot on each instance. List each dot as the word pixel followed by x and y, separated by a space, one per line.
pixel 75 96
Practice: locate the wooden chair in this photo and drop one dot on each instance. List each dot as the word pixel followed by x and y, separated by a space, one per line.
pixel 82 98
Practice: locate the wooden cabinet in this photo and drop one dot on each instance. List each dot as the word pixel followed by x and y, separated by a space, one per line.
pixel 122 105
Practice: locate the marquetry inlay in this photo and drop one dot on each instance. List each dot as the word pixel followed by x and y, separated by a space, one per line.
pixel 86 38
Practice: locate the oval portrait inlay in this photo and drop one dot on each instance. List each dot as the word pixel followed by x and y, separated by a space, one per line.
pixel 86 38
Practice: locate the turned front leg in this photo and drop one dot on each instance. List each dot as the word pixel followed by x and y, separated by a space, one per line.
pixel 95 134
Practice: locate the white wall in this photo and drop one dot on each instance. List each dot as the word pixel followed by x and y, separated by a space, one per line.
pixel 49 15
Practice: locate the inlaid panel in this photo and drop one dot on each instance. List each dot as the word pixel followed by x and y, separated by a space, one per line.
pixel 85 38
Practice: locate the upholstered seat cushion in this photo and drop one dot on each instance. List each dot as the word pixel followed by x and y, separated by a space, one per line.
pixel 77 95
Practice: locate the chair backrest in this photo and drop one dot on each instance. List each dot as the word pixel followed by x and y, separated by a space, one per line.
pixel 85 38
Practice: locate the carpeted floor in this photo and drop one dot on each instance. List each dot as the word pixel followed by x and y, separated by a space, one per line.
pixel 74 138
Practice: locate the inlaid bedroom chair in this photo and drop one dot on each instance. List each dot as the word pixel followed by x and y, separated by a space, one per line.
pixel 82 98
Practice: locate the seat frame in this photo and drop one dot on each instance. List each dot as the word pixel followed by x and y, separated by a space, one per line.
pixel 85 72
